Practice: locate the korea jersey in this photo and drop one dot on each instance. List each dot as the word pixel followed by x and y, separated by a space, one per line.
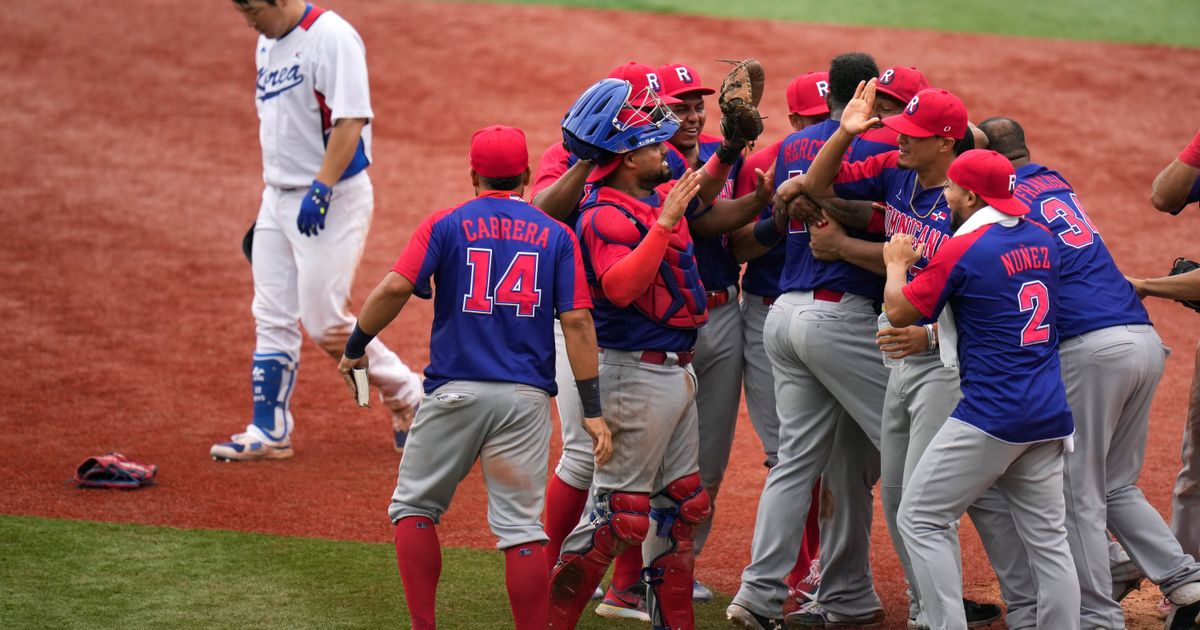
pixel 503 271
pixel 801 270
pixel 1002 284
pixel 311 77
pixel 1094 294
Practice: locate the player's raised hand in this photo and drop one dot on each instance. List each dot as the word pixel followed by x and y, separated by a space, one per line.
pixel 313 208
pixel 857 116
pixel 679 198
pixel 601 439
pixel 764 184
pixel 899 251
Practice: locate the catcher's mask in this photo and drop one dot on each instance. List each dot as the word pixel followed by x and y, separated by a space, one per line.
pixel 608 120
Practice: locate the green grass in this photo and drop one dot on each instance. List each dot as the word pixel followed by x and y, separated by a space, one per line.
pixel 75 574
pixel 1172 22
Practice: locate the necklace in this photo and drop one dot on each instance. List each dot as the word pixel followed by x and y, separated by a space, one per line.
pixel 913 195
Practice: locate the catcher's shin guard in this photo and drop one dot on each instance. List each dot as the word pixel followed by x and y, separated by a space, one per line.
pixel 670 574
pixel 620 520
pixel 271 380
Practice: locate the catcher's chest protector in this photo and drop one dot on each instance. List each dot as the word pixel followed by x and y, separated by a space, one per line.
pixel 676 297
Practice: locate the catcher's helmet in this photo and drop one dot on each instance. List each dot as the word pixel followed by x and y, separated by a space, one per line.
pixel 603 123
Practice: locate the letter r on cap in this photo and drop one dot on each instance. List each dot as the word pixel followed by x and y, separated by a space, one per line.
pixel 1012 183
pixel 912 105
pixel 887 76
pixel 683 74
pixel 652 79
pixel 822 88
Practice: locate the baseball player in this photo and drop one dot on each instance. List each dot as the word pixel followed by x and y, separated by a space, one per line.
pixel 718 364
pixel 828 380
pixel 1102 326
pixel 806 99
pixel 998 276
pixel 314 111
pixel 649 303
pixel 921 392
pixel 503 271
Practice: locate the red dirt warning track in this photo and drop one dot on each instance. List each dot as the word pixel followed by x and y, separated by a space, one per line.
pixel 132 169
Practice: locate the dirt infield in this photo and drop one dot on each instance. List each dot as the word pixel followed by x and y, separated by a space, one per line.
pixel 132 170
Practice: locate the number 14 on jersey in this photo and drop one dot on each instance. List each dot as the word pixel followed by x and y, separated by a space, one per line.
pixel 517 286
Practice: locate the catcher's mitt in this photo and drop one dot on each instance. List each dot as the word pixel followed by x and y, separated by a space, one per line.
pixel 114 470
pixel 1183 265
pixel 741 91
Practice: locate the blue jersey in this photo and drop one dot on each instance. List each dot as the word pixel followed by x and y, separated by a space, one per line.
pixel 503 270
pixel 919 212
pixel 801 271
pixel 1093 294
pixel 718 269
pixel 1002 284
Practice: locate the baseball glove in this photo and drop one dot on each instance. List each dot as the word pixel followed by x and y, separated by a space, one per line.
pixel 741 91
pixel 1183 265
pixel 114 470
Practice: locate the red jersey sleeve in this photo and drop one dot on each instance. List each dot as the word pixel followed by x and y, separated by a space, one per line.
pixel 553 164
pixel 762 160
pixel 420 257
pixel 928 291
pixel 571 284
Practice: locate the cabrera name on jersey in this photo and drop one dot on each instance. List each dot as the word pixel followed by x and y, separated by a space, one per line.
pixel 503 269
pixel 308 79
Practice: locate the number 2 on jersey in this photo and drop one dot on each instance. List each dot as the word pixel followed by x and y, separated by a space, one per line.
pixel 1034 297
pixel 516 287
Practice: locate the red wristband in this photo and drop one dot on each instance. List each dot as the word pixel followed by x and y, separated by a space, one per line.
pixel 717 169
pixel 1191 153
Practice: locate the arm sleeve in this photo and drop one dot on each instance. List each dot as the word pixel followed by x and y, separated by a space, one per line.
pixel 931 288
pixel 865 179
pixel 570 285
pixel 341 73
pixel 420 257
pixel 630 276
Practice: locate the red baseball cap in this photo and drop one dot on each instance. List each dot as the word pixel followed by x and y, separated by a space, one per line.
pixel 641 77
pixel 989 175
pixel 932 112
pixel 678 78
pixel 806 94
pixel 901 83
pixel 499 151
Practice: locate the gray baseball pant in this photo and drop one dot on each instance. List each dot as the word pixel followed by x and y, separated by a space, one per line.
pixel 826 366
pixel 959 465
pixel 718 369
pixel 506 426
pixel 651 412
pixel 576 462
pixel 1110 376
pixel 757 378
pixel 921 394
pixel 1185 504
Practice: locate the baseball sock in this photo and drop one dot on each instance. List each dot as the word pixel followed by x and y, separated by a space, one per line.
pixel 564 504
pixel 528 585
pixel 419 556
pixel 627 570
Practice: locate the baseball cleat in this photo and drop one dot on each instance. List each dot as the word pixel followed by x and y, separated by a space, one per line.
pixel 1184 607
pixel 244 447
pixel 741 617
pixel 1121 590
pixel 806 589
pixel 701 593
pixel 598 594
pixel 813 615
pixel 978 616
pixel 628 604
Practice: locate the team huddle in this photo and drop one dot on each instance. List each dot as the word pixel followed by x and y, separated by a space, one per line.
pixel 904 296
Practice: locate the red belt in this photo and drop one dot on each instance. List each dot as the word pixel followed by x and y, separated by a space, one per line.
pixel 657 357
pixel 769 299
pixel 825 295
pixel 718 298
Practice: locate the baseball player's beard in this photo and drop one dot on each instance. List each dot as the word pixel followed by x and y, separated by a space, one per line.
pixel 956 220
pixel 661 177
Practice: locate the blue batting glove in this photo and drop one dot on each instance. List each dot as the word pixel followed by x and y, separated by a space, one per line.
pixel 313 209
